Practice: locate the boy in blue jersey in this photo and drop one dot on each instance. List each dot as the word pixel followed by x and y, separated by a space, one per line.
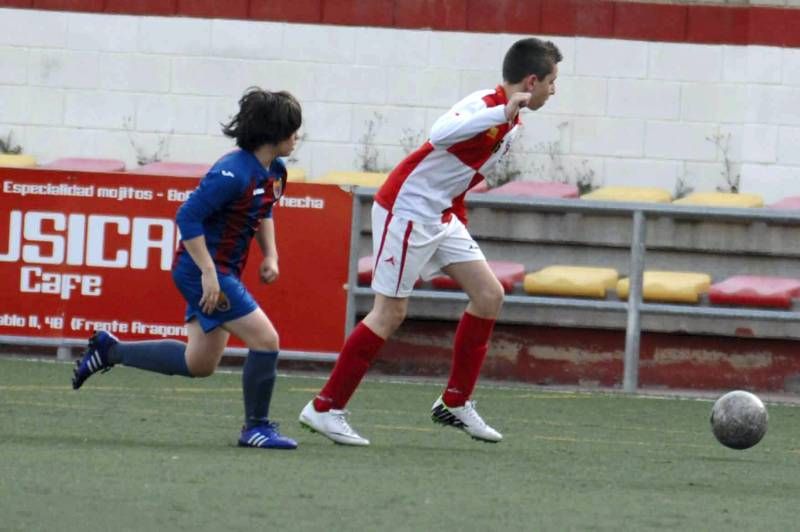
pixel 232 204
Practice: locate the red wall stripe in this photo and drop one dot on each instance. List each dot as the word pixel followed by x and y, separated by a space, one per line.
pixel 303 11
pixel 237 9
pixel 708 24
pixel 790 35
pixel 711 24
pixel 358 12
pixel 506 16
pixel 141 7
pixel 774 26
pixel 70 5
pixel 437 14
pixel 764 22
pixel 662 22
pixel 587 18
pixel 594 19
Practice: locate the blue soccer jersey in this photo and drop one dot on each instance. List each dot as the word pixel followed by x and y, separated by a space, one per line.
pixel 228 206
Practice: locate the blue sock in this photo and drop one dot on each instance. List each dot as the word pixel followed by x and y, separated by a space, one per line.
pixel 161 356
pixel 258 380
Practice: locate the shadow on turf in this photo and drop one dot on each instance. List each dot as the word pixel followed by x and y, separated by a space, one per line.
pixel 117 443
pixel 730 460
pixel 446 449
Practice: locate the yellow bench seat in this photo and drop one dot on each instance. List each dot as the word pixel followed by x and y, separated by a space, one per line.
pixel 632 194
pixel 295 174
pixel 722 199
pixel 364 179
pixel 17 160
pixel 677 287
pixel 579 281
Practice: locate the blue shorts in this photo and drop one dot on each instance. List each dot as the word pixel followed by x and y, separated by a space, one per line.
pixel 237 301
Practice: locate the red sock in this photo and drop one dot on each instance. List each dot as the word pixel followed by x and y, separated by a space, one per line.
pixel 469 351
pixel 358 352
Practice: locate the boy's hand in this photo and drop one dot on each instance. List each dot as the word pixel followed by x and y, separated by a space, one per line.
pixel 268 271
pixel 211 291
pixel 515 103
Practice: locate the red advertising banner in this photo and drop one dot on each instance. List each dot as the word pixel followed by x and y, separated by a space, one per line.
pixel 83 250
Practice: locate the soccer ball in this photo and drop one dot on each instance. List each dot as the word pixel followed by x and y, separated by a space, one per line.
pixel 739 419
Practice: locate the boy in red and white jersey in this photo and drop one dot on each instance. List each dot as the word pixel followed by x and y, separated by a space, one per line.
pixel 419 229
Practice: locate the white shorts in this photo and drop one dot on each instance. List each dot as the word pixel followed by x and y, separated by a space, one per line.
pixel 404 250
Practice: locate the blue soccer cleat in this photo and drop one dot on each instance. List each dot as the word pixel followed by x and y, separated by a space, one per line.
pixel 94 359
pixel 265 437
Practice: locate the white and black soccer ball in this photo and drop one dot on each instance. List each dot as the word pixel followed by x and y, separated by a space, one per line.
pixel 739 419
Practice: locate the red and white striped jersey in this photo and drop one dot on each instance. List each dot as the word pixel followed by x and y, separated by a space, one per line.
pixel 430 184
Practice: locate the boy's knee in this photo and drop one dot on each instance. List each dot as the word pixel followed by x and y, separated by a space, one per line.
pixel 267 342
pixel 490 299
pixel 200 367
pixel 201 370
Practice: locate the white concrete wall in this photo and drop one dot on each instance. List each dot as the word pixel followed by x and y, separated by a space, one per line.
pixel 626 112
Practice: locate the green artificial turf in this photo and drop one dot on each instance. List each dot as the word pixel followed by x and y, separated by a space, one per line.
pixel 138 451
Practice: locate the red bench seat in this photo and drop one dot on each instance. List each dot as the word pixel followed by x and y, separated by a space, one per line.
pixel 508 273
pixel 529 189
pixel 86 164
pixel 755 291
pixel 536 189
pixel 792 203
pixel 175 169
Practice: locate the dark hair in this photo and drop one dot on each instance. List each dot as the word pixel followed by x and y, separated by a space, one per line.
pixel 530 56
pixel 264 117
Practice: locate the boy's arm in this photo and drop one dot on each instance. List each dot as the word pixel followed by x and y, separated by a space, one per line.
pixel 265 236
pixel 462 123
pixel 197 249
pixel 214 191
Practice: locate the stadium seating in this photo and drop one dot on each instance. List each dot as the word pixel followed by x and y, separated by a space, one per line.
pixel 364 179
pixel 721 199
pixel 536 189
pixel 86 164
pixel 175 169
pixel 508 273
pixel 755 291
pixel 17 160
pixel 582 281
pixel 674 287
pixel 561 232
pixel 631 194
pixel 295 174
pixel 792 203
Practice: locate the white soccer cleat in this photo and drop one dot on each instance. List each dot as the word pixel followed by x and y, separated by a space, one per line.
pixel 331 424
pixel 465 418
